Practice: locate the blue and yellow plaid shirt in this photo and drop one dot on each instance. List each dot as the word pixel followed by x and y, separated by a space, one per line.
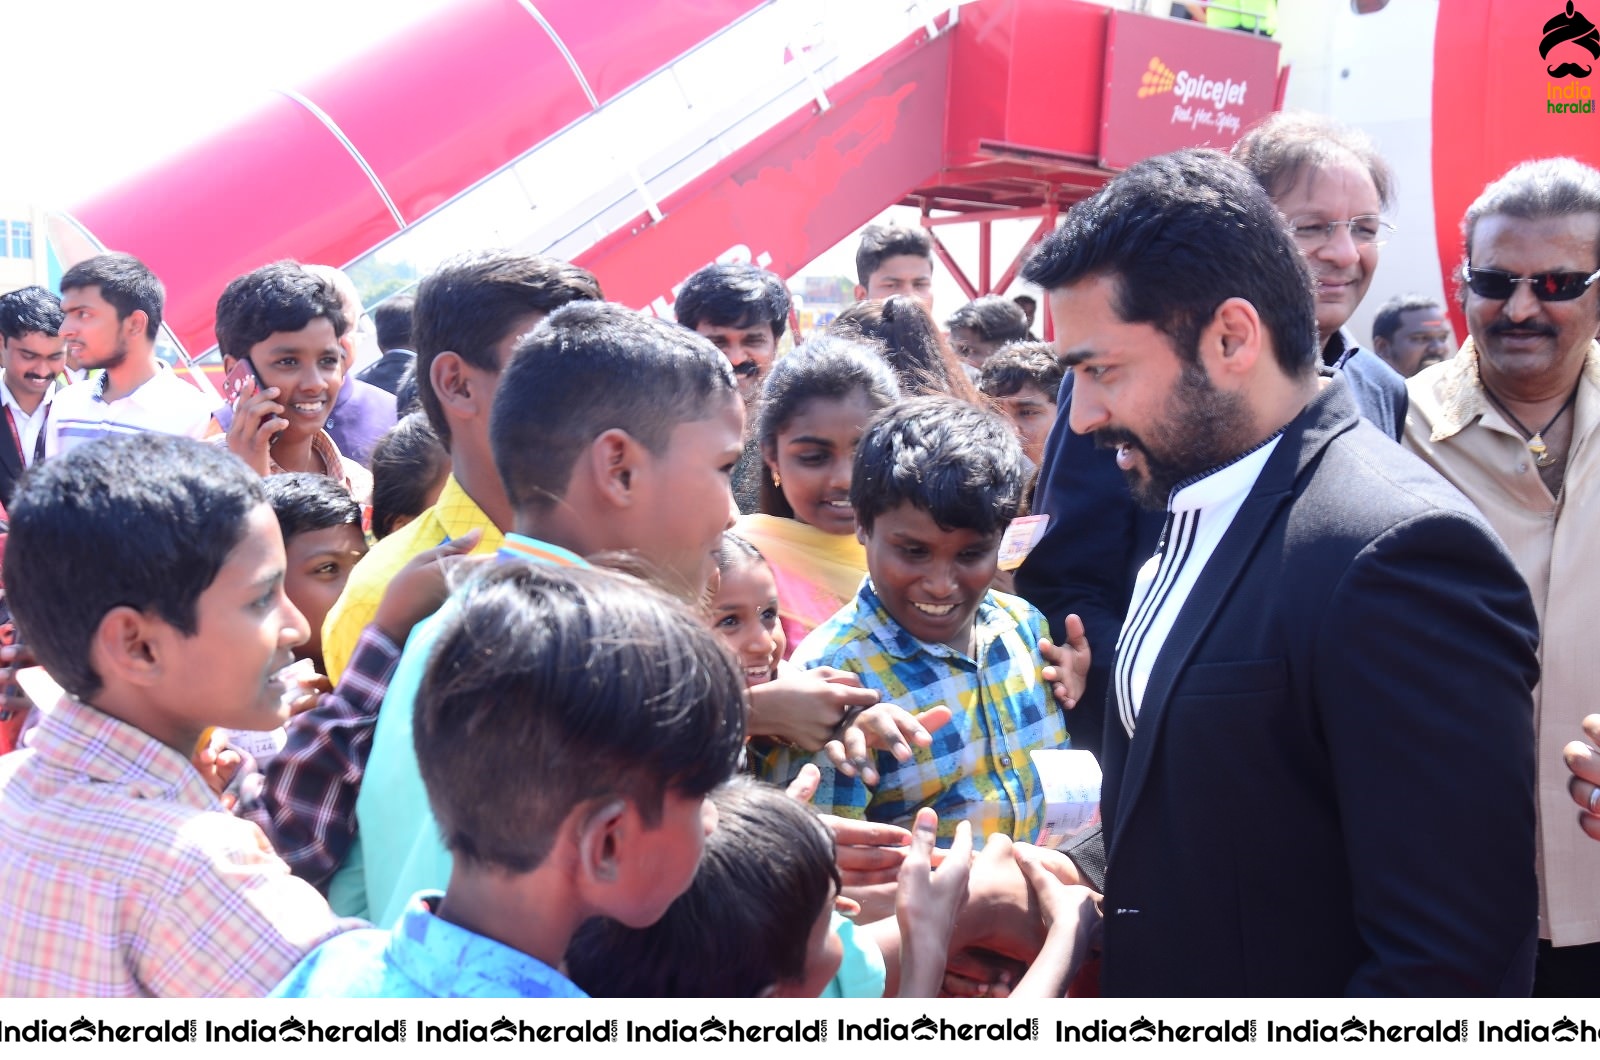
pixel 978 768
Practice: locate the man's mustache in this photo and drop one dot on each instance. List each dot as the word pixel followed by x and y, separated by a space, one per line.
pixel 749 368
pixel 1569 70
pixel 1508 327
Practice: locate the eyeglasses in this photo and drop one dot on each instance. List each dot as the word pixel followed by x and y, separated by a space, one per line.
pixel 1546 286
pixel 1366 229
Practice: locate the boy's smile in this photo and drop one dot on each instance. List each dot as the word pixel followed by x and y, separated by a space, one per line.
pixel 930 579
pixel 245 632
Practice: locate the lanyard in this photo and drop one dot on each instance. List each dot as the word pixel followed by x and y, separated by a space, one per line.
pixel 11 421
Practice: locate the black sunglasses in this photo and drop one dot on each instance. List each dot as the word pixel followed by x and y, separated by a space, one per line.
pixel 1546 286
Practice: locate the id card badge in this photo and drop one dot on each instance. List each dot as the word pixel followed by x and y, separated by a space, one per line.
pixel 1019 539
pixel 1071 784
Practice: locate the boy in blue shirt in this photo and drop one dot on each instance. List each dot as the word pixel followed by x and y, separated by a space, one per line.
pixel 935 484
pixel 569 730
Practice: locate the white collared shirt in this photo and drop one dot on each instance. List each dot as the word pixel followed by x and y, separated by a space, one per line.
pixel 1199 513
pixel 163 403
pixel 29 426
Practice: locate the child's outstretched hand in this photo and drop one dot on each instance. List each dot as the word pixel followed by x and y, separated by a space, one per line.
pixel 928 903
pixel 806 707
pixel 1073 917
pixel 422 585
pixel 884 727
pixel 1067 666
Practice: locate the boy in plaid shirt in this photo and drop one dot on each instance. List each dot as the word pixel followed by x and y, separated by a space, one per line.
pixel 146 574
pixel 935 484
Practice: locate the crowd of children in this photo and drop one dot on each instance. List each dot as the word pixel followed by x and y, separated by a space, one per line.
pixel 529 708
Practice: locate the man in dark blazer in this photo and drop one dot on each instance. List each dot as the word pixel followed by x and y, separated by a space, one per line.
pixel 1318 749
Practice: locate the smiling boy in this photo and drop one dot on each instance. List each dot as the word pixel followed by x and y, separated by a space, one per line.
pixel 936 481
pixel 286 322
pixel 123 875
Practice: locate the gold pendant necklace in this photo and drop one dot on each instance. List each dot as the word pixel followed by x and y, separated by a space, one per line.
pixel 1542 456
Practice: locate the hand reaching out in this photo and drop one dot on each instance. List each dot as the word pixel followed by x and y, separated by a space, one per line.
pixel 1066 667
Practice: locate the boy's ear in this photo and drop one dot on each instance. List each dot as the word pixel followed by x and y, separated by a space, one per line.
pixel 616 462
pixel 456 387
pixel 602 831
pixel 861 293
pixel 125 647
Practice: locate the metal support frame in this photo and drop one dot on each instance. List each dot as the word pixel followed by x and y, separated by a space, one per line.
pixel 984 219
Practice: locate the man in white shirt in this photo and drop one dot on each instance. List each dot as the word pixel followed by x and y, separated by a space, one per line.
pixel 31 356
pixel 111 313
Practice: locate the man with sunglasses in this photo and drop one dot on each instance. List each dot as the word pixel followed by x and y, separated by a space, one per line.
pixel 1513 421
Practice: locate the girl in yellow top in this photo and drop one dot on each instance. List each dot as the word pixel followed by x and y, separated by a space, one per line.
pixel 815 406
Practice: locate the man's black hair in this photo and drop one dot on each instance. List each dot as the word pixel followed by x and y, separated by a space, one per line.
pixel 827 368
pixel 992 319
pixel 1022 364
pixel 881 242
pixel 143 521
pixel 960 464
pixel 28 311
pixel 306 502
pixel 281 297
pixel 733 296
pixel 1178 235
pixel 1387 320
pixel 551 688
pixel 469 305
pixel 587 368
pixel 743 926
pixel 1529 191
pixel 407 463
pixel 911 343
pixel 125 283
pixel 392 320
pixel 1286 145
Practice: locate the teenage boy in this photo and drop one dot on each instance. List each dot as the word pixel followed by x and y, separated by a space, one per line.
pixel 32 353
pixel 934 485
pixel 111 314
pixel 894 259
pixel 744 311
pixel 286 323
pixel 1022 381
pixel 469 313
pixel 123 875
pixel 590 461
pixel 569 732
pixel 979 328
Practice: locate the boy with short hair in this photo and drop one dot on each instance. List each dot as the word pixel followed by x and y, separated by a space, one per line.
pixel 1022 381
pixel 322 540
pixel 590 460
pixel 569 732
pixel 146 573
pixel 935 483
pixel 287 323
pixel 895 259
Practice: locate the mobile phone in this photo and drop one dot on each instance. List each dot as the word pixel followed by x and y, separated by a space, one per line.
pixel 241 373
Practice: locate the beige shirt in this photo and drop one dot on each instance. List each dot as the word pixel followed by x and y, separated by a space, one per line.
pixel 1556 543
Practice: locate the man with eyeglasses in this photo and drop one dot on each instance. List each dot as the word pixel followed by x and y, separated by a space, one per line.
pixel 1513 421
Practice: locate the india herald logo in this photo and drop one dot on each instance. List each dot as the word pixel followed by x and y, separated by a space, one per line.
pixel 1568 29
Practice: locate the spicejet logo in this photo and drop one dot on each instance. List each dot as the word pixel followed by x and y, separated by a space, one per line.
pixel 1159 77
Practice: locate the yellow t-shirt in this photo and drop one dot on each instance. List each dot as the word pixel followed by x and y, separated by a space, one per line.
pixel 453 515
